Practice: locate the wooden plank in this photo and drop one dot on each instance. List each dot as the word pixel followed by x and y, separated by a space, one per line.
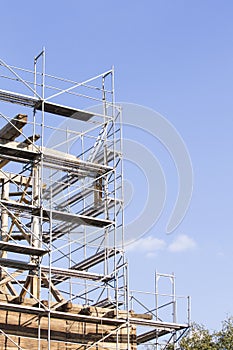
pixel 56 215
pixel 148 336
pixel 87 263
pixel 62 335
pixel 64 111
pixel 17 223
pixel 21 249
pixel 25 287
pixel 12 151
pixel 11 289
pixel 74 273
pixel 17 264
pixel 141 316
pixel 48 107
pixel 13 128
pixel 10 277
pixel 80 329
pixel 21 152
pixel 15 220
pixel 83 326
pixel 80 219
pixel 59 315
pixel 15 178
pixel 11 131
pixel 55 292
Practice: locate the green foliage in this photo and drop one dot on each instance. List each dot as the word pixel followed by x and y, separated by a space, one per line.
pixel 225 336
pixel 200 338
pixel 170 347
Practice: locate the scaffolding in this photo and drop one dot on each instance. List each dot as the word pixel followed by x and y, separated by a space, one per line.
pixel 64 279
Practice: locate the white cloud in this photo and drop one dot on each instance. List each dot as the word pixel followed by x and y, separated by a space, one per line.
pixel 182 243
pixel 149 245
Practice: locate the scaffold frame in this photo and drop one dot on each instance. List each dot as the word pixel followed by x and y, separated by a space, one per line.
pixel 64 275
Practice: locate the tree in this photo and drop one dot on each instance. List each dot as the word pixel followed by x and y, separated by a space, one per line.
pixel 200 338
pixel 225 336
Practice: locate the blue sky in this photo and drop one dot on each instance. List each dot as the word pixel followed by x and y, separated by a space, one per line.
pixel 175 57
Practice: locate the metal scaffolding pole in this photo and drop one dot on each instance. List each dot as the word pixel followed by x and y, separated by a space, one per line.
pixel 64 275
